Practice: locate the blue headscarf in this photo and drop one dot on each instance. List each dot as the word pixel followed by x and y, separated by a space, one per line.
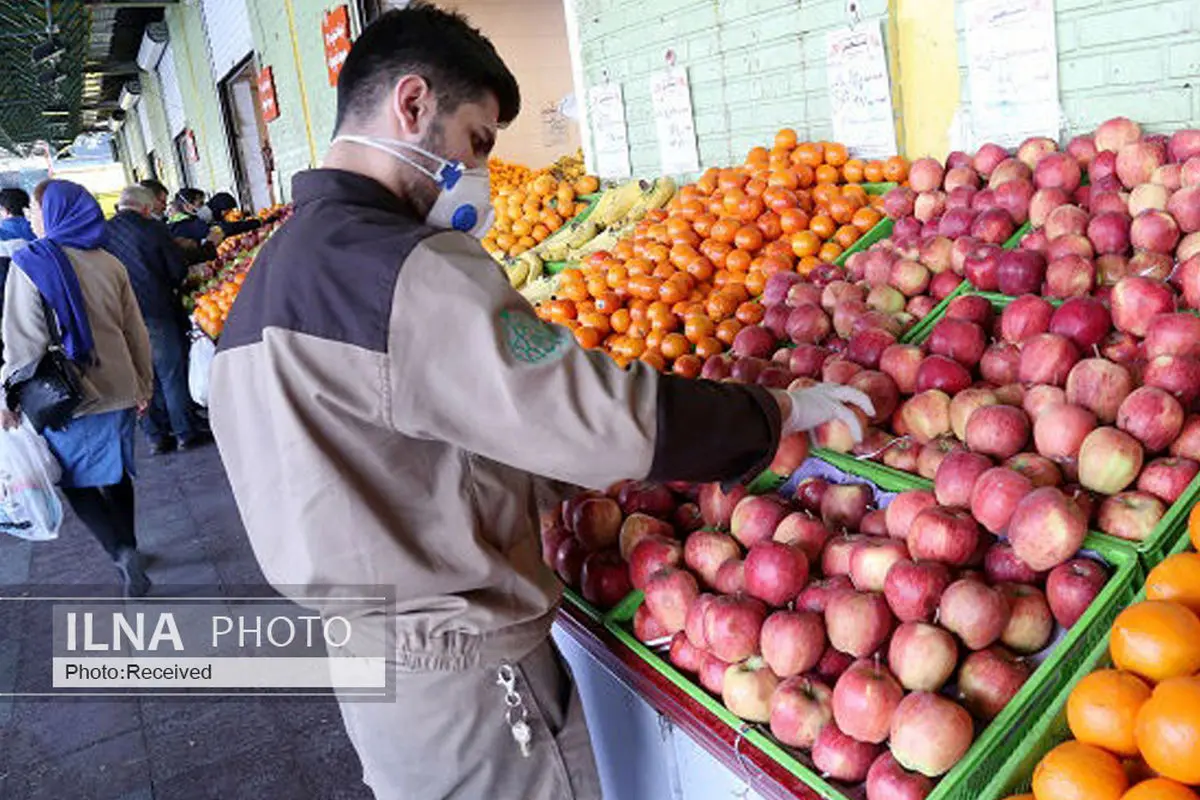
pixel 72 218
pixel 16 228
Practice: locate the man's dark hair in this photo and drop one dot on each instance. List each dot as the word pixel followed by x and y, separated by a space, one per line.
pixel 456 60
pixel 14 201
pixel 192 197
pixel 154 186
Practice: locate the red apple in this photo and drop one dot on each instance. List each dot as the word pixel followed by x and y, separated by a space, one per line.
pixel 800 708
pixel 684 654
pixel 998 431
pixel 922 656
pixel 961 340
pixel 1001 565
pixel 946 374
pixel 1024 318
pixel 1071 587
pixel 1109 460
pixel 1173 335
pixel 836 558
pixel 844 505
pixel 887 780
pixel 1132 516
pixel 956 477
pixel 901 362
pixel 1046 528
pixel 993 226
pixel 871 561
pixel 712 673
pixel 974 611
pixel 693 626
pixel 933 453
pixel 1167 478
pixel 1021 271
pixel 552 538
pixel 731 577
pixel 687 518
pixel 843 757
pixel 1000 363
pixel 836 435
pixel 651 554
pixel 995 497
pixel 1038 399
pixel 1058 171
pixel 930 734
pixel 639 526
pixel 732 627
pixel 604 578
pixel 1040 470
pixel 716 506
pixel 1100 386
pixel 1031 624
pixel 989 679
pixel 926 415
pixel 1059 431
pixel 644 497
pixel 670 593
pixel 965 403
pixel 755 518
pixel 816 596
pixel 1136 301
pixel 775 572
pixel 1066 220
pixel 1152 416
pixel 971 308
pixel 1178 375
pixel 568 561
pixel 949 535
pixel 747 690
pixel 1083 320
pixel 1047 358
pixel 804 532
pixel 646 627
pixel 705 551
pixel 864 699
pixel 810 492
pixel 858 623
pixel 793 642
pixel 597 523
pixel 903 508
pixel 913 589
pixel 881 389
pixel 1155 231
pixel 874 523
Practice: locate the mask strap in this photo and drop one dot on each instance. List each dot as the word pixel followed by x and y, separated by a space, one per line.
pixel 446 175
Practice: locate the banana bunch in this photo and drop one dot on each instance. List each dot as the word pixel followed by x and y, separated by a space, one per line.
pixel 540 290
pixel 524 268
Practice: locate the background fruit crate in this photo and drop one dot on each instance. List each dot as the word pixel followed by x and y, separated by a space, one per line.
pixel 919 332
pixel 994 744
pixel 1015 775
pixel 1174 522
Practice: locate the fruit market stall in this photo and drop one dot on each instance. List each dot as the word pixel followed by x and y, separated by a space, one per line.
pixel 894 618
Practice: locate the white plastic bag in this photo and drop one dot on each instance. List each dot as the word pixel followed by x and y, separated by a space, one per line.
pixel 29 505
pixel 199 363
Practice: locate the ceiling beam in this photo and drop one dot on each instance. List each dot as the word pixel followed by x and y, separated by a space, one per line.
pixel 112 68
pixel 130 3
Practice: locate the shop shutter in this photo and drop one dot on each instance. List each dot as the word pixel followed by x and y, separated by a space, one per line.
pixel 144 121
pixel 172 98
pixel 229 36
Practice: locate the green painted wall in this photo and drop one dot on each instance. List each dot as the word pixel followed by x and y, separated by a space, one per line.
pixel 151 105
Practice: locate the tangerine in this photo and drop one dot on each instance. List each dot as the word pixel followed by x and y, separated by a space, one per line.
pixel 823 226
pixel 852 171
pixel 674 345
pixel 688 366
pixel 739 260
pixel 895 169
pixel 810 154
pixel 1160 789
pixel 620 320
pixel 697 327
pixel 1078 771
pixel 866 218
pixel 588 338
pixel 1168 730
pixel 723 230
pixel 828 174
pixel 1176 578
pixel 1103 707
pixel 786 139
pixel 830 252
pixel 1157 639
pixel 873 171
pixel 836 154
pixel 709 346
pixel 727 329
pixel 846 236
pixel 654 359
pixel 783 179
pixel 805 244
pixel 793 220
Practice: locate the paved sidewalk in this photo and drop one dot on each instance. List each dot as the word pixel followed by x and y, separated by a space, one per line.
pixel 160 749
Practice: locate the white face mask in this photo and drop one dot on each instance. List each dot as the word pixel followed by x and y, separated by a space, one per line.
pixel 465 200
pixel 204 213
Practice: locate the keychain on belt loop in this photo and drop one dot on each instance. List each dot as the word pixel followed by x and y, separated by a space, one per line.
pixel 515 711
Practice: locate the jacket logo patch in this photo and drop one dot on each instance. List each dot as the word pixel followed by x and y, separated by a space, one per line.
pixel 530 340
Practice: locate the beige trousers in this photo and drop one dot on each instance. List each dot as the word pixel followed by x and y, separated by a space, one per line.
pixel 446 738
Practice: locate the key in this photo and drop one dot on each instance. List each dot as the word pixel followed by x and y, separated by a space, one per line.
pixel 524 735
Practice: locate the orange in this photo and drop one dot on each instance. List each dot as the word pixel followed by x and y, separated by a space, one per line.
pixel 1177 578
pixel 809 154
pixel 852 171
pixel 757 155
pixel 822 226
pixel 1103 707
pixel 728 329
pixel 827 174
pixel 835 154
pixel 873 171
pixel 785 139
pixel 895 169
pixel 654 359
pixel 587 337
pixel 1194 526
pixel 846 236
pixel 1160 789
pixel 865 218
pixel 688 365
pixel 793 220
pixel 1168 730
pixel 1078 771
pixel 830 252
pixel 1157 639
pixel 748 238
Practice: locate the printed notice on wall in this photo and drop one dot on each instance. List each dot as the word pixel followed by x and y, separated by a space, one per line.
pixel 610 139
pixel 860 93
pixel 1012 63
pixel 672 100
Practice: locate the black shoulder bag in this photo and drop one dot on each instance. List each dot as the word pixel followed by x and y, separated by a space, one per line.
pixel 48 392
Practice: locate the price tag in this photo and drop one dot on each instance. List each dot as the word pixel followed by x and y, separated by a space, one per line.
pixel 671 97
pixel 860 92
pixel 610 139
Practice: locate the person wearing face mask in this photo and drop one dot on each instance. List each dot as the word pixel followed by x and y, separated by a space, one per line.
pixel 388 408
pixel 190 222
pixel 159 210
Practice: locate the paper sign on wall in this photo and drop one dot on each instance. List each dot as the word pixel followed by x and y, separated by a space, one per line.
pixel 860 92
pixel 610 139
pixel 266 95
pixel 1012 63
pixel 672 100
pixel 335 30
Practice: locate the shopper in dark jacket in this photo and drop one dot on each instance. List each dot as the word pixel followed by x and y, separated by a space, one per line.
pixel 15 230
pixel 221 204
pixel 157 271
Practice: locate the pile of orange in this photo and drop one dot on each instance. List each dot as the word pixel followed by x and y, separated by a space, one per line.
pixel 1137 725
pixel 507 175
pixel 526 216
pixel 212 307
pixel 679 289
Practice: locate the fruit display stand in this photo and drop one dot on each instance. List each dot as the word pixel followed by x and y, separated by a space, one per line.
pixel 780 768
pixel 1015 775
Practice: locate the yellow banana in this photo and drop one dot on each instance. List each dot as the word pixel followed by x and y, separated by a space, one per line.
pixel 518 273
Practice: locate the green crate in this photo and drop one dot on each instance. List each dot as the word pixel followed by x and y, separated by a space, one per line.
pixel 994 744
pixel 880 230
pixel 885 477
pixel 919 332
pixel 1014 241
pixel 1156 546
pixel 1051 730
pixel 878 188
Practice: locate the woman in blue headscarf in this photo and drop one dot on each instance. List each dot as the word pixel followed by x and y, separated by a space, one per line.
pixel 66 272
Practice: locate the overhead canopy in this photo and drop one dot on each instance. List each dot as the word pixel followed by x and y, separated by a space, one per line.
pixel 62 66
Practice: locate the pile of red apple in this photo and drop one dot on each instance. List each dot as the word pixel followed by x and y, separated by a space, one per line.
pixel 875 639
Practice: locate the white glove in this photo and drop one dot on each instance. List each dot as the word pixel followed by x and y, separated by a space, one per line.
pixel 823 403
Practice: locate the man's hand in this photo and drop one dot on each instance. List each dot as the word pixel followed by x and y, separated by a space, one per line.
pixel 9 420
pixel 215 236
pixel 805 409
pixel 142 407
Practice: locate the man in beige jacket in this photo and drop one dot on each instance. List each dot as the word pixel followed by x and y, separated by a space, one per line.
pixel 384 403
